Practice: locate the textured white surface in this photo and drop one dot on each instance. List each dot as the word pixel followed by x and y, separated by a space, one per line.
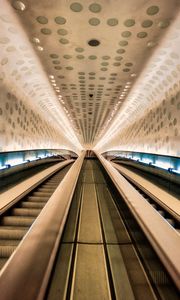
pixel 133 75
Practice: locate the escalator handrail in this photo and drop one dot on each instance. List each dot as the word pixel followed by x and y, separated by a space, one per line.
pixel 27 272
pixel 163 237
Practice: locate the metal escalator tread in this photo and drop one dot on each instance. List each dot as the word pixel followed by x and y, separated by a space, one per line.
pixel 17 221
pixel 6 251
pixel 41 194
pixel 46 189
pixel 49 184
pixel 25 212
pixel 30 204
pixel 38 199
pixel 7 234
pixel 9 243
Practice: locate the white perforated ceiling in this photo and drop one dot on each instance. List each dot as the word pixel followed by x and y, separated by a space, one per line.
pixel 91 52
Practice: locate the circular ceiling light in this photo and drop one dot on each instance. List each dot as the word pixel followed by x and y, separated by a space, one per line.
pixel 19 5
pixel 35 40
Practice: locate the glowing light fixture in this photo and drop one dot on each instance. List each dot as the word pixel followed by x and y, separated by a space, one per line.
pixel 19 5
pixel 40 48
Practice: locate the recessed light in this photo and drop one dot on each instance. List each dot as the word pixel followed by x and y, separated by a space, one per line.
pixel 40 48
pixel 35 40
pixel 19 5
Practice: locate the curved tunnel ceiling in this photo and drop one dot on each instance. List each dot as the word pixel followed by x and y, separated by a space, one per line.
pixel 82 63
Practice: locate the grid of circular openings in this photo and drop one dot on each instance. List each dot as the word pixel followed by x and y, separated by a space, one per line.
pixel 143 25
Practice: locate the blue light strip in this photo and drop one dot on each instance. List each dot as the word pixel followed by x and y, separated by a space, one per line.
pixel 169 163
pixel 15 158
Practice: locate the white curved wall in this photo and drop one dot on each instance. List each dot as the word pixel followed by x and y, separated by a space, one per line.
pixel 149 120
pixel 22 126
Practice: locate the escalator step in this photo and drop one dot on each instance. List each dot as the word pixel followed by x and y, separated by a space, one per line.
pixel 9 243
pixel 11 234
pixel 34 212
pixel 17 221
pixel 2 262
pixel 38 199
pixel 46 189
pixel 41 194
pixel 6 251
pixel 28 204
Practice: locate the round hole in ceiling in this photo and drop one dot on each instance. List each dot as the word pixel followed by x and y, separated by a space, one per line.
pixel 106 57
pixel 92 57
pixel 57 67
pixel 64 41
pixel 79 49
pixel 129 22
pixel 62 31
pixel 163 24
pixel 69 68
pixel 54 55
pixel 80 56
pixel 152 10
pixel 66 56
pixel 126 34
pixel 128 64
pixel 104 63
pixel 93 43
pixel 60 20
pixel 56 62
pixel 4 61
pixel 142 34
pixel 46 31
pixel 120 51
pixel 123 43
pixel 118 58
pixel 42 20
pixel 147 23
pixel 94 21
pixel 4 40
pixel 112 22
pixel 76 7
pixel 116 64
pixel 95 7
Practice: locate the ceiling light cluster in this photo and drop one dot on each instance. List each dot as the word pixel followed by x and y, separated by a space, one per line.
pixel 121 97
pixel 60 98
pixel 54 84
pixel 36 42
